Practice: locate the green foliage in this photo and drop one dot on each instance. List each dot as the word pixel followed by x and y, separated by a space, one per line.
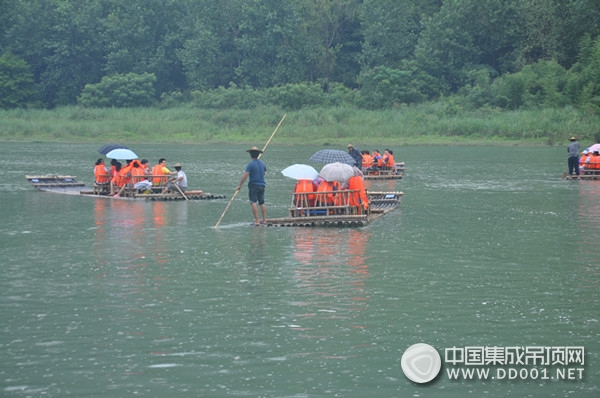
pixel 288 97
pixel 383 87
pixel 17 88
pixel 296 96
pixel 537 85
pixel 374 53
pixel 583 82
pixel 442 122
pixel 121 91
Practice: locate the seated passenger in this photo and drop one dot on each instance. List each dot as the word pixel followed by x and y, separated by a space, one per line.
pixel 358 199
pixel 145 166
pixel 377 159
pixel 160 169
pixel 138 176
pixel 304 187
pixel 328 198
pixel 101 173
pixel 179 183
pixel 388 160
pixel 118 180
pixel 593 162
pixel 113 169
pixel 367 160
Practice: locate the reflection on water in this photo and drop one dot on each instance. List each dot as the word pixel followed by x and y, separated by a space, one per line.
pixel 330 276
pixel 123 298
pixel 589 235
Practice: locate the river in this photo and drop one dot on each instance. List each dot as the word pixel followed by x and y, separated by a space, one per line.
pixel 489 252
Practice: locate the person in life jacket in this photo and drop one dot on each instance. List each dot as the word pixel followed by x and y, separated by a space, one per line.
pixel 367 159
pixel 145 166
pixel 583 158
pixel 594 161
pixel 118 180
pixel 326 199
pixel 358 199
pixel 112 171
pixel 305 188
pixel 101 172
pixel 388 160
pixel 125 176
pixel 377 159
pixel 139 172
pixel 160 169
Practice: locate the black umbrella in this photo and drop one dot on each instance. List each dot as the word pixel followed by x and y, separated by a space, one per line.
pixel 332 156
pixel 109 147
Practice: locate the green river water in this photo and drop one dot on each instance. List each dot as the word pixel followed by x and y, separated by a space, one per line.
pixel 490 251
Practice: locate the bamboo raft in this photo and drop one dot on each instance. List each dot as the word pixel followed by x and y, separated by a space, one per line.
pixel 341 215
pixel 593 174
pixel 69 185
pixel 384 173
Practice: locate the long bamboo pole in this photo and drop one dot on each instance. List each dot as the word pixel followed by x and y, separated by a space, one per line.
pixel 237 190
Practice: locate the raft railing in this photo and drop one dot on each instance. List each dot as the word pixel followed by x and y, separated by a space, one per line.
pixel 326 203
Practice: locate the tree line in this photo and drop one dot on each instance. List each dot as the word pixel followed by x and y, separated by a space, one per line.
pixel 242 53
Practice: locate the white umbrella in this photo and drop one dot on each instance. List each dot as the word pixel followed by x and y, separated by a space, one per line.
pixel 300 172
pixel 336 172
pixel 122 153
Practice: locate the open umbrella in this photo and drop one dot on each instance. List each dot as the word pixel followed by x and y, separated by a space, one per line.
pixel 109 147
pixel 122 153
pixel 300 172
pixel 336 172
pixel 595 147
pixel 332 156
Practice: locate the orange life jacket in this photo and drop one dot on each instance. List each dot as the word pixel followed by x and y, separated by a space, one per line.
pixel 367 160
pixel 582 159
pixel 157 170
pixel 120 179
pixel 594 162
pixel 137 174
pixel 101 174
pixel 327 198
pixel 360 197
pixel 390 162
pixel 304 186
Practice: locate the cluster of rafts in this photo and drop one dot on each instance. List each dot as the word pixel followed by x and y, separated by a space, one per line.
pixel 303 211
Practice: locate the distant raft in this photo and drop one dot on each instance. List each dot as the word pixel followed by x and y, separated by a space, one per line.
pixel 384 173
pixel 339 215
pixel 69 185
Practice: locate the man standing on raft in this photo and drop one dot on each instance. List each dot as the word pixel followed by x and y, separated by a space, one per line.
pixel 256 170
pixel 573 160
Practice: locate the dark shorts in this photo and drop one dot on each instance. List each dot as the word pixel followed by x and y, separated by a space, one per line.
pixel 172 187
pixel 256 193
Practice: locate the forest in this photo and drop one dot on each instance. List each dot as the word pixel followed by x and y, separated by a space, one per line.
pixel 371 54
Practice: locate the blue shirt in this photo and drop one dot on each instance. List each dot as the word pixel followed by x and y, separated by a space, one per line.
pixel 257 170
pixel 573 149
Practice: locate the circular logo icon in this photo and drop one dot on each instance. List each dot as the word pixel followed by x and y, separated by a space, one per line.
pixel 421 363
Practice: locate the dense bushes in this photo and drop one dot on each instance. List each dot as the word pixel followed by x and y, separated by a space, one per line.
pixel 121 91
pixel 544 84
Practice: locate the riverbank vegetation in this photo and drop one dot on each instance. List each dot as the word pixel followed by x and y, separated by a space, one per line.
pixel 410 71
pixel 430 123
